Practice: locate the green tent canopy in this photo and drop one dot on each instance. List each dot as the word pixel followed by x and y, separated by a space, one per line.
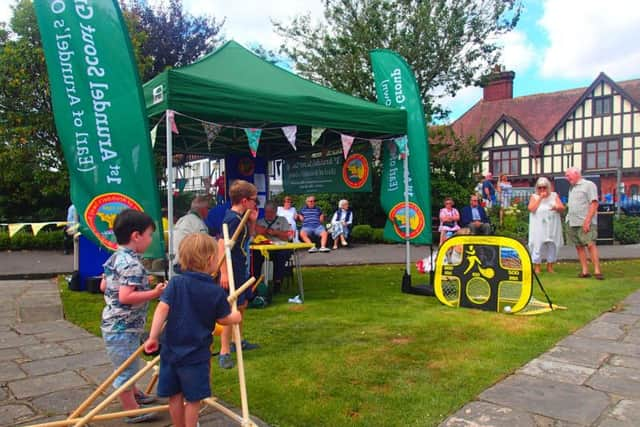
pixel 235 88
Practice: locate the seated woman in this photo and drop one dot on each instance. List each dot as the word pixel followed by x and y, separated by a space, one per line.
pixel 341 223
pixel 289 212
pixel 449 218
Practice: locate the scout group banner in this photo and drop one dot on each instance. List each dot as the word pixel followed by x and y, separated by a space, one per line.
pixel 330 174
pixel 99 114
pixel 396 87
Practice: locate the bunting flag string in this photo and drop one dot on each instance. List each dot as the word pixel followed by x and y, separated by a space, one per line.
pixel 253 135
pixel 154 134
pixel 347 142
pixel 172 120
pixel 315 135
pixel 376 144
pixel 290 133
pixel 403 146
pixel 211 130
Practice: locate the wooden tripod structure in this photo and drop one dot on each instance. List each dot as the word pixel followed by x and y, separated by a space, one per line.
pixel 75 419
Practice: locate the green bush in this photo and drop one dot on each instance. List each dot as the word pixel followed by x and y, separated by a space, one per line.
pixel 626 229
pixel 515 223
pixel 377 235
pixel 44 240
pixel 362 233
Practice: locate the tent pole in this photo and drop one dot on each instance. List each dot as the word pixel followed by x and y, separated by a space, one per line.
pixel 407 226
pixel 169 137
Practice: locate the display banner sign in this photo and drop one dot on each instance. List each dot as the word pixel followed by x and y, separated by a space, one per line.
pixel 330 174
pixel 396 87
pixel 100 115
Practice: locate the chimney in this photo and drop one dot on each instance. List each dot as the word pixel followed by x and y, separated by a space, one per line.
pixel 498 85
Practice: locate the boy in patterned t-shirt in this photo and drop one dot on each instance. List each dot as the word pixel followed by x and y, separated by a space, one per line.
pixel 127 293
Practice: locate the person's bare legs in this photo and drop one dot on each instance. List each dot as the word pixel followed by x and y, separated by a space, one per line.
pixel 595 258
pixel 323 239
pixel 176 409
pixel 225 340
pixel 128 400
pixel 191 410
pixel 582 256
pixel 550 267
pixel 304 236
pixel 536 268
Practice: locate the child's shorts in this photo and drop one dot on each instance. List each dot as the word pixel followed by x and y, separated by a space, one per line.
pixel 119 347
pixel 190 380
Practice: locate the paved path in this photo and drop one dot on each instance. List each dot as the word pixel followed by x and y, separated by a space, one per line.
pixel 48 366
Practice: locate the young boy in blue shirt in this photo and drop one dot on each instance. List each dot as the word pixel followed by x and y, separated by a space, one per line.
pixel 191 305
pixel 127 294
pixel 244 196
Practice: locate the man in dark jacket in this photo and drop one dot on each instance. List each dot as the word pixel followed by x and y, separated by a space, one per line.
pixel 475 218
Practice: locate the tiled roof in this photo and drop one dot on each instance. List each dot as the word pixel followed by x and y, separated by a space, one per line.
pixel 537 114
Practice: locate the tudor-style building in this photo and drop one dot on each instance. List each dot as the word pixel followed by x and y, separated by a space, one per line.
pixel 596 129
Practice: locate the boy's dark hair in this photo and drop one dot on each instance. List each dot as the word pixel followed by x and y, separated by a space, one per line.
pixel 128 221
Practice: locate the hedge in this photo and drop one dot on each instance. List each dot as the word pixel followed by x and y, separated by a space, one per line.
pixel 26 240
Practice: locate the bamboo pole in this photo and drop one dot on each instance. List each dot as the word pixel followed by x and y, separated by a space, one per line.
pixel 228 244
pixel 243 221
pixel 115 394
pixel 89 400
pixel 105 417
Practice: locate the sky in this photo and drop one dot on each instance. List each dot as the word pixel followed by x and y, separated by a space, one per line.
pixel 557 45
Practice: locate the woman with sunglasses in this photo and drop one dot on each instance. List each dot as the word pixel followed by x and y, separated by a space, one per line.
pixel 545 225
pixel 449 217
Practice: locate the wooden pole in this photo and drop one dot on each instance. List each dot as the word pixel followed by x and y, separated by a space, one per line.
pixel 228 244
pixel 105 417
pixel 243 221
pixel 115 394
pixel 89 400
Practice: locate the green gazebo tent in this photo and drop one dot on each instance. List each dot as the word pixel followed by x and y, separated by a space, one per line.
pixel 236 89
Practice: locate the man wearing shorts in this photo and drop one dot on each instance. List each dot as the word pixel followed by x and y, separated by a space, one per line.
pixel 313 225
pixel 582 221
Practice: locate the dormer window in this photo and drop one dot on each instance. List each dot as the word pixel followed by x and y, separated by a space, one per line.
pixel 602 106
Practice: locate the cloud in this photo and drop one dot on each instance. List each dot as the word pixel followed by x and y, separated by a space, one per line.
pixel 249 21
pixel 518 53
pixel 589 36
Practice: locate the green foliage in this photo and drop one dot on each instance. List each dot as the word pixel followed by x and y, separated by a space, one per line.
pixel 361 233
pixel 357 352
pixel 174 37
pixel 23 240
pixel 448 44
pixel 626 229
pixel 515 223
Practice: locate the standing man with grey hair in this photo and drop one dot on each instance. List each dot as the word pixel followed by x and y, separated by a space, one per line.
pixel 192 222
pixel 582 221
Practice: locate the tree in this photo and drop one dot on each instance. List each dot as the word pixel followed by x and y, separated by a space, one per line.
pixel 448 43
pixel 174 37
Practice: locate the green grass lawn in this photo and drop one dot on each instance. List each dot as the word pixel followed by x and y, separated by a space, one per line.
pixel 360 352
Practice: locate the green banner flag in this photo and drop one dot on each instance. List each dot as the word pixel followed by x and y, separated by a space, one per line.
pixel 330 174
pixel 396 87
pixel 100 115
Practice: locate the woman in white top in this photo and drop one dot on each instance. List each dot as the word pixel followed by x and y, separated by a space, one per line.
pixel 545 225
pixel 505 189
pixel 449 217
pixel 290 213
pixel 341 223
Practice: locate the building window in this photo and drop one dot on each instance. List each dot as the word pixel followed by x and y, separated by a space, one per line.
pixel 602 106
pixel 505 162
pixel 602 155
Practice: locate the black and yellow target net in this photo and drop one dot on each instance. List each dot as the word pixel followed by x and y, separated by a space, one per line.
pixel 488 273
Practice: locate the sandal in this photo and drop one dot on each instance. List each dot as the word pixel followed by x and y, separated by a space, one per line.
pixel 599 276
pixel 584 276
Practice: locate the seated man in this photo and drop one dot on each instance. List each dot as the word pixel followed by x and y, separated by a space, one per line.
pixel 277 229
pixel 312 225
pixel 475 218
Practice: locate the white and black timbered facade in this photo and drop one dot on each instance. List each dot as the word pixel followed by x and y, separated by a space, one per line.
pixel 596 129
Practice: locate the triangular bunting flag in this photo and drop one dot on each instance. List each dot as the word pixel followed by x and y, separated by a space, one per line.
pixel 393 148
pixel 290 133
pixel 37 226
pixel 253 135
pixel 172 120
pixel 402 144
pixel 212 130
pixel 347 142
pixel 154 134
pixel 315 134
pixel 14 228
pixel 376 144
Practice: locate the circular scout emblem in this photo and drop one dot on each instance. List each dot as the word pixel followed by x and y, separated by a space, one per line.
pixel 101 214
pixel 399 217
pixel 355 171
pixel 246 166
